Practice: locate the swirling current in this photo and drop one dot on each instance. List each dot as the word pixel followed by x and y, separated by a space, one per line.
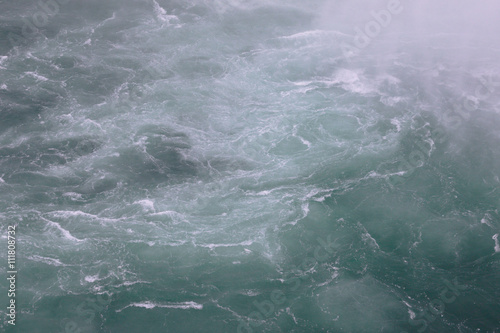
pixel 250 166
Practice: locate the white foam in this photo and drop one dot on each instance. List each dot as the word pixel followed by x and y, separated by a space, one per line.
pixel 250 292
pixel 485 220
pixel 263 193
pixel 162 15
pixel 410 312
pixel 290 313
pixel 305 209
pixel 92 278
pixel 350 81
pixel 369 239
pixel 146 204
pixel 392 100
pixel 396 123
pixel 73 195
pixel 497 245
pixel 304 141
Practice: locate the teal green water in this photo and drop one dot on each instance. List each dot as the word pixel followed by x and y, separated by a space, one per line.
pixel 250 166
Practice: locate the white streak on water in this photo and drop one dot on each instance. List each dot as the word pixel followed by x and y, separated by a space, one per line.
pixel 65 232
pixel 410 312
pixel 367 238
pixel 131 283
pixel 290 313
pixel 151 305
pixel 37 76
pixel 314 33
pixel 212 246
pixel 46 260
pixel 67 214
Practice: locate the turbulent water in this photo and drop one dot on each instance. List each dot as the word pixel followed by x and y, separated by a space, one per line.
pixel 251 166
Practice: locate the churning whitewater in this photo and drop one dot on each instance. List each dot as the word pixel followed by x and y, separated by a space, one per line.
pixel 249 166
